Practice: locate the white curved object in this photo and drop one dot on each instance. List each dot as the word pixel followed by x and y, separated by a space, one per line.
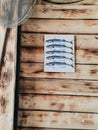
pixel 15 12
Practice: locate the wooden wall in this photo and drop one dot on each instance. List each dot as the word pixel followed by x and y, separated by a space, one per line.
pixel 58 101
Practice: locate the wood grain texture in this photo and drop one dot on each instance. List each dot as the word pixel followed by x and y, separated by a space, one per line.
pixel 33 48
pixel 58 103
pixel 32 54
pixel 61 26
pixel 58 120
pixel 7 82
pixel 37 70
pixel 59 87
pixel 65 11
pixel 32 128
pixel 37 40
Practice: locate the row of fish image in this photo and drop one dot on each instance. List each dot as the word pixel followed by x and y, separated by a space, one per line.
pixel 58 52
pixel 59 43
pixel 59 55
pixel 55 40
pixel 58 60
pixel 55 48
pixel 56 64
pixel 55 44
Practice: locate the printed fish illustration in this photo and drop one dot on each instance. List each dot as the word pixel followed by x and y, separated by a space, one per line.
pixel 58 64
pixel 55 40
pixel 58 57
pixel 58 46
pixel 58 40
pixel 58 52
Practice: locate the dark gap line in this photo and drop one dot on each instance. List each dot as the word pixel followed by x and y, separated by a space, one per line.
pixel 27 32
pixel 28 127
pixel 33 32
pixel 32 110
pixel 62 95
pixel 60 19
pixel 16 98
pixel 30 78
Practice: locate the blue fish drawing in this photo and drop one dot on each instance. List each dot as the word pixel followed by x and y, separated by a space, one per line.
pixel 53 57
pixel 58 52
pixel 58 46
pixel 55 40
pixel 58 40
pixel 54 64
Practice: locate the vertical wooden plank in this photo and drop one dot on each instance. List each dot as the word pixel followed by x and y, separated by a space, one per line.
pixel 7 81
pixel 8 68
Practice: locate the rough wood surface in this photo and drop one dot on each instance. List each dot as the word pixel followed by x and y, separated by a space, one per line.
pixel 58 120
pixel 37 70
pixel 7 82
pixel 32 128
pixel 37 40
pixel 33 44
pixel 61 26
pixel 59 103
pixel 59 87
pixel 82 56
pixel 65 11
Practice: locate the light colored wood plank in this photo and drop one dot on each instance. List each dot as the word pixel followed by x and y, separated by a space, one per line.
pixel 86 48
pixel 59 87
pixel 58 120
pixel 37 70
pixel 32 128
pixel 58 103
pixel 31 54
pixel 7 83
pixel 65 11
pixel 32 40
pixel 82 41
pixel 61 26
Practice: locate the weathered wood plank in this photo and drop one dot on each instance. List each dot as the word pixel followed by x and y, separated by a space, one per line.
pixel 82 41
pixel 32 40
pixel 61 26
pixel 7 82
pixel 65 11
pixel 58 103
pixel 58 120
pixel 59 87
pixel 86 48
pixel 37 70
pixel 31 54
pixel 32 128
